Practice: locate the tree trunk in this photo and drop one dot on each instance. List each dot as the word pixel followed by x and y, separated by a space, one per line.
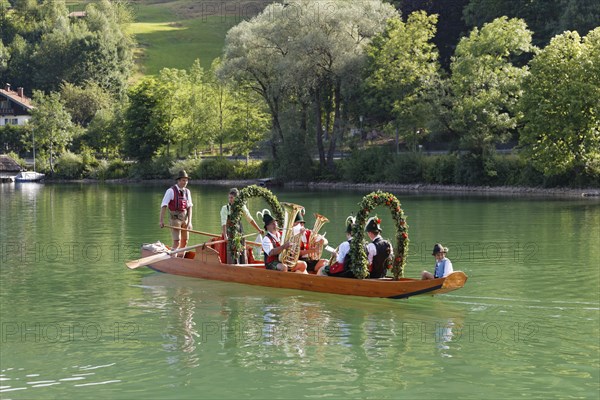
pixel 319 127
pixel 337 125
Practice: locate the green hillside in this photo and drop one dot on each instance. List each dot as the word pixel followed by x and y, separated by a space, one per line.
pixel 167 39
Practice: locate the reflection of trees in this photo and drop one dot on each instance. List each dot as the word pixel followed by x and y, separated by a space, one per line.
pixel 327 341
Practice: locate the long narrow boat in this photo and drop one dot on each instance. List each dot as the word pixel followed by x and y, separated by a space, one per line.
pixel 205 263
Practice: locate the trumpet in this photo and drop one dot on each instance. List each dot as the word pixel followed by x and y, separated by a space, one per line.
pixel 289 257
pixel 320 220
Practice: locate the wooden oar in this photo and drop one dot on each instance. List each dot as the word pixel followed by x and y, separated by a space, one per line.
pixel 166 255
pixel 255 244
pixel 193 231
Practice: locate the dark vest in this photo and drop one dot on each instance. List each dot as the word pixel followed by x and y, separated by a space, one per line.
pixel 383 248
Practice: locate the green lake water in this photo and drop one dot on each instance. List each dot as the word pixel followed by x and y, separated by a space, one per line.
pixel 76 323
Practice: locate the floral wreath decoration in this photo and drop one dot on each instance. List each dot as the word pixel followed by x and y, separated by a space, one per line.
pixel 235 238
pixel 359 263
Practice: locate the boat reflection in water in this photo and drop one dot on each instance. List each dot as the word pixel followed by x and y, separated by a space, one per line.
pixel 289 332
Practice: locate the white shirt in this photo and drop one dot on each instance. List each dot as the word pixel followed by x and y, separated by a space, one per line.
pixel 225 213
pixel 267 245
pixel 343 250
pixel 169 195
pixel 372 250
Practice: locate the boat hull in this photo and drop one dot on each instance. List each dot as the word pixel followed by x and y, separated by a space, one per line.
pixel 29 176
pixel 205 264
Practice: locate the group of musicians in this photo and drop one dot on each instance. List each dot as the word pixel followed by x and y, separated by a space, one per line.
pixel 177 200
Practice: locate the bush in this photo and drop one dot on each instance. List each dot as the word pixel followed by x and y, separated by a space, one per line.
pixel 190 165
pixel 405 168
pixel 70 166
pixel 366 166
pixel 215 168
pixel 114 169
pixel 157 168
pixel 250 171
pixel 439 170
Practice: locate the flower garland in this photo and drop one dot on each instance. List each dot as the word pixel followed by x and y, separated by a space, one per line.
pixel 359 265
pixel 235 237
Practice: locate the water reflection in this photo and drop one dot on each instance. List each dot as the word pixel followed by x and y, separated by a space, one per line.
pixel 284 332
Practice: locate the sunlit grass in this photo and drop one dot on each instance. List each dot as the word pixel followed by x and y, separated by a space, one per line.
pixel 166 41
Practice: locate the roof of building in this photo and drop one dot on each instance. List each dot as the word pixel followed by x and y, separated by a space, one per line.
pixel 14 96
pixel 7 164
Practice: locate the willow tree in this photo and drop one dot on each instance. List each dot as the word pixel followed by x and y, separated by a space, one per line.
pixel 561 106
pixel 306 57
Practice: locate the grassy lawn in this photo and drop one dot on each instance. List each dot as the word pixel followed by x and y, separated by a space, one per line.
pixel 167 38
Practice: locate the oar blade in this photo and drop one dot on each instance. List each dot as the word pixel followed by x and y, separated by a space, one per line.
pixel 147 260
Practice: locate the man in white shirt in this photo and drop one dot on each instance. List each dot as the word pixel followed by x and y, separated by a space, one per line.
pixel 225 213
pixel 178 200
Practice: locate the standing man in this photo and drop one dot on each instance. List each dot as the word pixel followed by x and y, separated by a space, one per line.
pixel 225 213
pixel 178 200
pixel 379 252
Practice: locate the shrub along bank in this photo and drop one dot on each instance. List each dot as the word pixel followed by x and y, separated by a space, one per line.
pixel 374 165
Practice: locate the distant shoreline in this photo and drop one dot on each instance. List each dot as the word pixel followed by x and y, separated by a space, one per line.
pixel 592 193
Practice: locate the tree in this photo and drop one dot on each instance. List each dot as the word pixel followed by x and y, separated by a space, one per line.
pixel 561 106
pixel 540 15
pixel 146 123
pixel 52 124
pixel 402 68
pixel 47 47
pixel 83 102
pixel 486 85
pixel 305 56
pixel 450 24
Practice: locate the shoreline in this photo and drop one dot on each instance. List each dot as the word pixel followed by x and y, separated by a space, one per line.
pixel 415 188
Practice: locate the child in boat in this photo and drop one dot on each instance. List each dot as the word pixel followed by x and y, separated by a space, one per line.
pixel 443 266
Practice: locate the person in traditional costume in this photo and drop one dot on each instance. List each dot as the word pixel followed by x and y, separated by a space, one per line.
pixel 379 252
pixel 272 246
pixel 305 250
pixel 443 266
pixel 341 266
pixel 225 222
pixel 178 200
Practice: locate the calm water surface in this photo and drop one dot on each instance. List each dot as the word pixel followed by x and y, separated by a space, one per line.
pixel 75 323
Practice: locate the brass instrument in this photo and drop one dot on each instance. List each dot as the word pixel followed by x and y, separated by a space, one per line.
pixel 312 242
pixel 289 257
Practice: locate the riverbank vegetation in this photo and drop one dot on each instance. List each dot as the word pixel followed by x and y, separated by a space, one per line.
pixel 370 91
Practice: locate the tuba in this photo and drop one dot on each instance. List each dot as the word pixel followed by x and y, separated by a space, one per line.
pixel 289 257
pixel 320 220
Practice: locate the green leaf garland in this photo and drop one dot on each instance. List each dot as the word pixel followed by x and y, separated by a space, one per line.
pixel 235 237
pixel 358 255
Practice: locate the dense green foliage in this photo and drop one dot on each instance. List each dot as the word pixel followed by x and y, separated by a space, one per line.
pixel 561 106
pixel 302 80
pixel 42 46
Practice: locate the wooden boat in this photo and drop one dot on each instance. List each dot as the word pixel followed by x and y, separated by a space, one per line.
pixel 205 263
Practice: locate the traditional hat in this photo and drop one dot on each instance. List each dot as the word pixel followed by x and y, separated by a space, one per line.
pixel 299 218
pixel 373 225
pixel 234 191
pixel 438 248
pixel 181 174
pixel 350 221
pixel 265 215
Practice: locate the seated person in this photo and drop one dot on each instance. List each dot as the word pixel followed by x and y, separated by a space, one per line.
pixel 341 266
pixel 272 247
pixel 443 266
pixel 305 250
pixel 379 252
